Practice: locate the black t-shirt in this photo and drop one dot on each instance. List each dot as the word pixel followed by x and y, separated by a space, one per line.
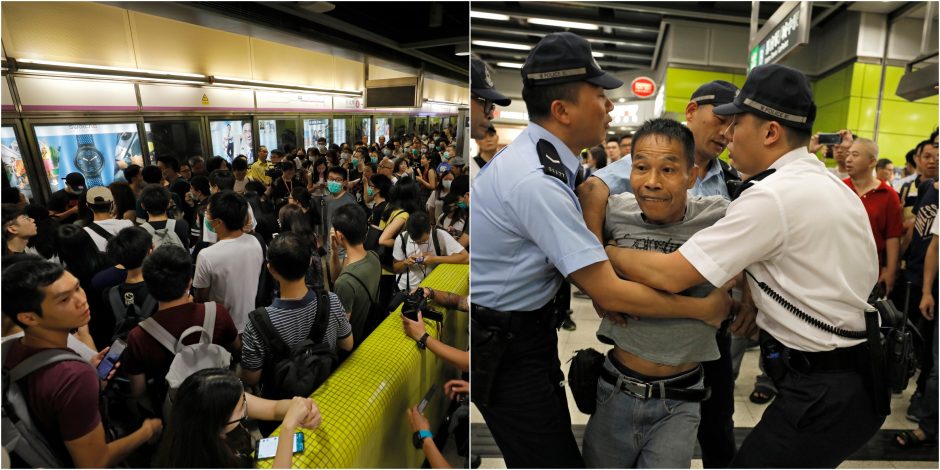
pixel 136 293
pixel 61 201
pixel 924 212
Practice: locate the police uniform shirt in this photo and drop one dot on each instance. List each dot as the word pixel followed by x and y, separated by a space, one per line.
pixel 712 183
pixel 808 238
pixel 527 226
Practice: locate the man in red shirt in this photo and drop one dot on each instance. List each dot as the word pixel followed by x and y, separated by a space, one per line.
pixel 46 302
pixel 882 204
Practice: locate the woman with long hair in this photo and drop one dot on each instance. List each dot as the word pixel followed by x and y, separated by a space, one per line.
pixel 216 404
pixel 125 202
pixel 435 202
pixel 455 218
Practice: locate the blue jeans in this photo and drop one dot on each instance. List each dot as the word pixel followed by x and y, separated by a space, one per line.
pixel 630 432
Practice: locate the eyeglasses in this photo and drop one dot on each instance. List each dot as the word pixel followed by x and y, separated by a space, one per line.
pixel 488 106
pixel 243 418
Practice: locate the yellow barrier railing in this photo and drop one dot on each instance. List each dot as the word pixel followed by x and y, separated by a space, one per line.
pixel 363 403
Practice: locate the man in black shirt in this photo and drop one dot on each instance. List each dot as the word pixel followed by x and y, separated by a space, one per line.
pixel 63 205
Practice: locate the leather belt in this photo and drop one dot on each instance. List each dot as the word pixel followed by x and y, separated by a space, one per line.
pixel 841 359
pixel 515 322
pixel 675 388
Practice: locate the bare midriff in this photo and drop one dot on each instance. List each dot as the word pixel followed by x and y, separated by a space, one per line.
pixel 649 368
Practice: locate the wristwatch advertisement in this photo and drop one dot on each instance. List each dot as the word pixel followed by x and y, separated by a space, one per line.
pixel 89 160
pixel 90 149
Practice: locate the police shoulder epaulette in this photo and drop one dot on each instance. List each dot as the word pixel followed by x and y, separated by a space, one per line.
pixel 551 161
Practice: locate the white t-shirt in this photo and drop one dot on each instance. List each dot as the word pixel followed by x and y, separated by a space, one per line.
pixel 112 226
pixel 230 269
pixel 240 186
pixel 417 271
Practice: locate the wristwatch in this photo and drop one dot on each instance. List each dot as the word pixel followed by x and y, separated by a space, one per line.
pixel 418 438
pixel 89 160
pixel 423 342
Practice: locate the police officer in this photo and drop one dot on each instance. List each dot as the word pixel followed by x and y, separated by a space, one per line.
pixel 531 236
pixel 802 240
pixel 485 98
pixel 716 178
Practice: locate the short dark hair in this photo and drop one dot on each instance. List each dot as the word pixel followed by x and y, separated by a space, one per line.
pixel 222 179
pixel 909 158
pixel 200 183
pixel 289 255
pixel 194 160
pixel 922 144
pixel 382 184
pixel 129 247
pixel 23 287
pixel 350 220
pixel 338 170
pixel 670 129
pixel 131 172
pixel 155 199
pixel 151 174
pixel 882 163
pixel 170 162
pixel 10 195
pixel 626 136
pixel 599 154
pixel 933 135
pixel 239 164
pixel 538 99
pixel 419 223
pixel 9 214
pixel 613 139
pixel 167 272
pixel 215 163
pixel 230 208
pixel 277 153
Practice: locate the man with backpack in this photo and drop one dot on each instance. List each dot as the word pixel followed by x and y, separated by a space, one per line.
pixel 417 252
pixel 53 391
pixel 130 302
pixel 167 272
pixel 358 283
pixel 295 327
pixel 104 226
pixel 154 200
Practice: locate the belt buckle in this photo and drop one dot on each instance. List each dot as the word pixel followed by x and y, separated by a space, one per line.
pixel 635 388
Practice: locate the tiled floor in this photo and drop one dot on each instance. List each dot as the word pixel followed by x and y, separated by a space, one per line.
pixel 746 414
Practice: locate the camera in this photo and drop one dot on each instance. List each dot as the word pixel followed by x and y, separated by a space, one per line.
pixel 411 303
pixel 276 170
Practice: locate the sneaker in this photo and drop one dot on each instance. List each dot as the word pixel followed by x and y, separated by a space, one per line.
pixel 915 408
pixel 569 324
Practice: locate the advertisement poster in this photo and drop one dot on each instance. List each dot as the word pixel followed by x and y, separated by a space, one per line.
pixel 97 151
pixel 314 129
pixel 382 128
pixel 14 168
pixel 231 139
pixel 274 136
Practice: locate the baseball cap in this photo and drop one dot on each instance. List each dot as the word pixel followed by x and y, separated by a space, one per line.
pixel 443 168
pixel 482 85
pixel 75 180
pixel 457 161
pixel 717 92
pixel 564 58
pixel 99 195
pixel 775 92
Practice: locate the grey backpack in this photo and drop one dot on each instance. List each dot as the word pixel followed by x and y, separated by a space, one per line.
pixel 20 436
pixel 188 359
pixel 166 235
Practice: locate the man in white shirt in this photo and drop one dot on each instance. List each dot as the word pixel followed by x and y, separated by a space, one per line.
pixel 801 238
pixel 421 254
pixel 228 271
pixel 104 226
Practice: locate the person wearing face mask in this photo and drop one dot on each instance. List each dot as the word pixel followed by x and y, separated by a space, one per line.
pixel 386 152
pixel 435 202
pixel 338 196
pixel 321 145
pixel 455 218
pixel 64 203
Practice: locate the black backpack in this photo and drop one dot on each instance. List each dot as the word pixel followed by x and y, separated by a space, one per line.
pixel 296 371
pixel 127 316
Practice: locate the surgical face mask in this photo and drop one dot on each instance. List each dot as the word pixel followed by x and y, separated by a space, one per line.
pixel 445 156
pixel 446 184
pixel 414 152
pixel 423 150
pixel 386 152
pixel 322 148
pixel 374 159
pixel 461 204
pixel 370 191
pixel 334 186
pixel 345 155
pixel 355 162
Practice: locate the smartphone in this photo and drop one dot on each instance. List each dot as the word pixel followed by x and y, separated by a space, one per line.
pixel 267 447
pixel 111 359
pixel 826 138
pixel 427 398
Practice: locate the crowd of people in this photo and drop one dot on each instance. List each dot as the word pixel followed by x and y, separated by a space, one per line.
pixel 298 249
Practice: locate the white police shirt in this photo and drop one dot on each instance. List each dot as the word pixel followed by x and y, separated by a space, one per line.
pixel 805 236
pixel 527 226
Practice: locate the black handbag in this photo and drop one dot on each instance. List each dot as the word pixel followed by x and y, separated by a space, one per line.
pixel 371 241
pixel 583 374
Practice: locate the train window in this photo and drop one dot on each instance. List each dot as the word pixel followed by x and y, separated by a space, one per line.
pixel 14 167
pixel 278 134
pixel 177 139
pixel 98 151
pixel 231 139
pixel 400 125
pixel 382 128
pixel 314 129
pixel 339 131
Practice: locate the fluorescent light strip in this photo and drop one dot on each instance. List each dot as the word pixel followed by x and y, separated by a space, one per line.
pixel 66 74
pixel 564 24
pixel 104 67
pixel 511 65
pixel 288 86
pixel 597 54
pixel 501 45
pixel 488 16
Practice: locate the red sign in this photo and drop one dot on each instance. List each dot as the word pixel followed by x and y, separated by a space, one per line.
pixel 643 87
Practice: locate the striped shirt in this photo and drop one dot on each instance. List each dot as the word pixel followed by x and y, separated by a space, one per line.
pixel 293 320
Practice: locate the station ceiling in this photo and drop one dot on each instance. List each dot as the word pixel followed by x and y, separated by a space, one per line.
pixel 623 35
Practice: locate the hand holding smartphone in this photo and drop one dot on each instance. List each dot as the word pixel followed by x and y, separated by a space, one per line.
pixel 111 359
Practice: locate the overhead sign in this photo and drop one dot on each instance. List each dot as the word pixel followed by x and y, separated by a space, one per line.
pixel 784 31
pixel 643 87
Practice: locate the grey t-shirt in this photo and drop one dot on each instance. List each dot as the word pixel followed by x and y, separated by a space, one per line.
pixel 662 340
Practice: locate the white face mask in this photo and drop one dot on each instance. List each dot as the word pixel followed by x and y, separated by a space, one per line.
pixel 446 184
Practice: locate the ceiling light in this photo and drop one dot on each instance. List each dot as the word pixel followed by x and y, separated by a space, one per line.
pixel 597 54
pixel 488 16
pixel 62 65
pixel 511 65
pixel 563 24
pixel 622 100
pixel 502 45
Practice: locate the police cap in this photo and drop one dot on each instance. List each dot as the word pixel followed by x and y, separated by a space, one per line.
pixel 564 58
pixel 778 93
pixel 482 85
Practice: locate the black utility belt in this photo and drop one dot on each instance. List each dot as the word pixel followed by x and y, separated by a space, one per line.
pixel 674 388
pixel 514 322
pixel 837 360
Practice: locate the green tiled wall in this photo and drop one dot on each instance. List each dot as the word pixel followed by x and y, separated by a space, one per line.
pixel 846 98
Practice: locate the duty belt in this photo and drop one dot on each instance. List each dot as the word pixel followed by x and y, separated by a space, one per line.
pixel 514 322
pixel 675 388
pixel 841 359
